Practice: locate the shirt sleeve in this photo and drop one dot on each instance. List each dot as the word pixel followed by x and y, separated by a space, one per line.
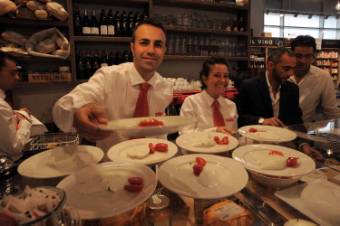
pixel 328 100
pixel 188 110
pixel 13 135
pixel 92 91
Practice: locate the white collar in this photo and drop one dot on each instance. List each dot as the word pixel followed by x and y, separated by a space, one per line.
pixel 137 79
pixel 209 99
pixel 269 85
pixel 2 94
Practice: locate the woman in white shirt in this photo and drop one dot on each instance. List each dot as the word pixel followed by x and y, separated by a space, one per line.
pixel 210 108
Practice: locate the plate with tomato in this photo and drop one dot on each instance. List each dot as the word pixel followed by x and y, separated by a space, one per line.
pixel 207 142
pixel 124 186
pixel 148 126
pixel 265 133
pixel 146 151
pixel 203 176
pixel 274 160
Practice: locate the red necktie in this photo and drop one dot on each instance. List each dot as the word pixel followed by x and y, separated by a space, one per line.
pixel 142 106
pixel 217 116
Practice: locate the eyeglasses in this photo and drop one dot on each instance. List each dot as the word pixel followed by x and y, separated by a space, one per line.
pixel 306 56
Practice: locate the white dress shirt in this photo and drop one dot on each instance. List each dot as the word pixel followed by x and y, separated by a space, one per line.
pixel 14 134
pixel 317 91
pixel 199 106
pixel 274 98
pixel 117 89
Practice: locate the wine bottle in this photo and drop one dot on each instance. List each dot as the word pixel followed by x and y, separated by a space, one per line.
pixel 118 24
pixel 124 25
pixel 110 24
pixel 86 30
pixel 103 23
pixel 94 24
pixel 131 24
pixel 77 23
pixel 81 66
pixel 104 61
pixel 96 62
pixel 88 66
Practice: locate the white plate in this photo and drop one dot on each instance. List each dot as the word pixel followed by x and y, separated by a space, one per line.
pixel 105 204
pixel 39 165
pixel 119 152
pixel 292 196
pixel 246 154
pixel 220 177
pixel 187 141
pixel 268 133
pixel 323 198
pixel 130 126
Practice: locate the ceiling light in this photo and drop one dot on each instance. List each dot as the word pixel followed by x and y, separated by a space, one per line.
pixel 337 6
pixel 281 14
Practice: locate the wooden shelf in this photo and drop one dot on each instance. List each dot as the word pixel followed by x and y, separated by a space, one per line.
pixel 39 84
pixel 195 4
pixel 101 39
pixel 327 58
pixel 40 59
pixel 200 58
pixel 208 31
pixel 130 3
pixel 32 22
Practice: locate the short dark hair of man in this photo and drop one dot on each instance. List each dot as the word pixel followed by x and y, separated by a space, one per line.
pixel 304 41
pixel 147 22
pixel 5 56
pixel 207 66
pixel 276 54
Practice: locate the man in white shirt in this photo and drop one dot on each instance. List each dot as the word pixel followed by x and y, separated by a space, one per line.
pixel 114 92
pixel 316 87
pixel 14 127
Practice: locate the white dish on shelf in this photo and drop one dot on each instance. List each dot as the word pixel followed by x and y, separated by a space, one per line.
pixel 188 141
pixel 267 133
pixel 221 176
pixel 130 126
pixel 245 154
pixel 120 152
pixel 103 204
pixel 45 165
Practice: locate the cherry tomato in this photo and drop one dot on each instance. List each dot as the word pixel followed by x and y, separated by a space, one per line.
pixel 197 169
pixel 201 161
pixel 161 147
pixel 152 148
pixel 292 162
pixel 136 180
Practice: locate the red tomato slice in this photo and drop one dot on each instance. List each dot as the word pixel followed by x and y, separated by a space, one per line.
pixel 201 161
pixel 136 180
pixel 150 122
pixel 252 130
pixel 161 147
pixel 275 152
pixel 217 139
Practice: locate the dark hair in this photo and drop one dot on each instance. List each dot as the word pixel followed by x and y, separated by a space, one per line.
pixel 148 22
pixel 275 56
pixel 207 66
pixel 5 56
pixel 305 41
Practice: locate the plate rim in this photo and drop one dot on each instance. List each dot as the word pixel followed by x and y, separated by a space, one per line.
pixel 243 133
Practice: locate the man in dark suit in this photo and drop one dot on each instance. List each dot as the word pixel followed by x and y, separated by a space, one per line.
pixel 270 99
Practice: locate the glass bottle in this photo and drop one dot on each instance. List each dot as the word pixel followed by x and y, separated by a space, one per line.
pixel 103 23
pixel 86 29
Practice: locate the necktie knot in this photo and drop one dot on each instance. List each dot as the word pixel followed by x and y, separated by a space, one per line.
pixel 144 87
pixel 216 104
pixel 217 115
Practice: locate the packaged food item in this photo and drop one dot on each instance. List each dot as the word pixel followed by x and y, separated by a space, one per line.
pixel 226 213
pixel 7 6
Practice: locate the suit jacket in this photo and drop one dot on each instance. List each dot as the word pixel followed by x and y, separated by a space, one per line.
pixel 254 102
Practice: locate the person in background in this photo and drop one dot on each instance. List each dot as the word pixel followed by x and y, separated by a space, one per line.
pixel 317 91
pixel 120 91
pixel 273 100
pixel 15 128
pixel 210 108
